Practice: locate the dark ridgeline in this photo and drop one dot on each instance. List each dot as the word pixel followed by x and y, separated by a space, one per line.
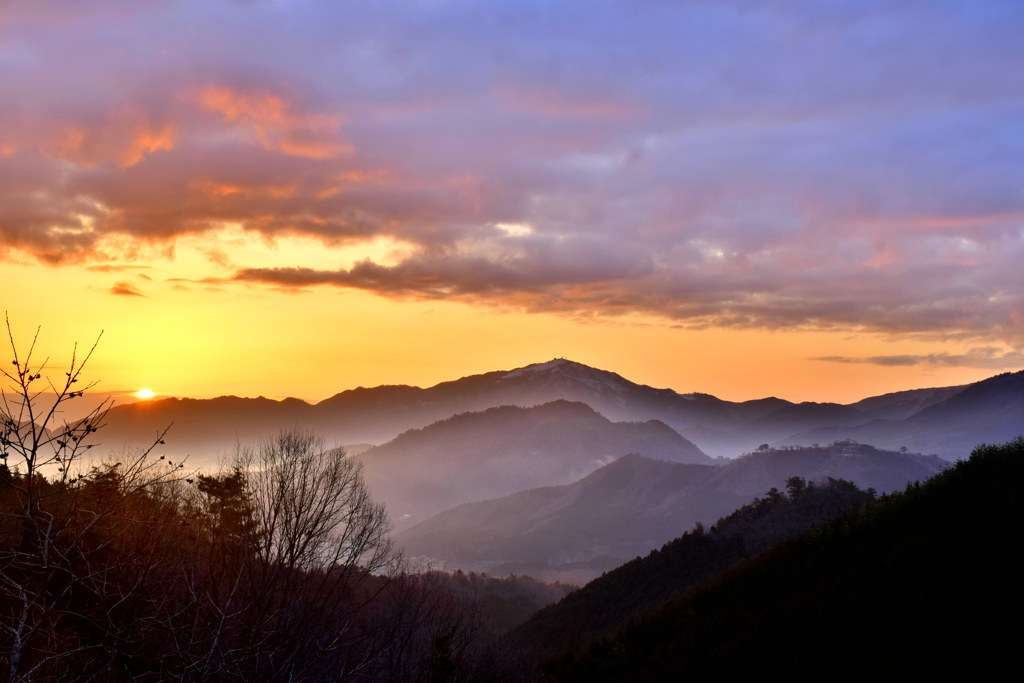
pixel 578 531
pixel 921 582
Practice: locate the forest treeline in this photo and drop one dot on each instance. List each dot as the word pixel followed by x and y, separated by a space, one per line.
pixel 129 574
pixel 926 581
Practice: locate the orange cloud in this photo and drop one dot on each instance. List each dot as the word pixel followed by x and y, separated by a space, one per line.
pixel 276 126
pixel 146 140
pixel 217 189
pixel 371 177
pixel 125 288
pixel 214 189
pixel 125 138
pixel 376 176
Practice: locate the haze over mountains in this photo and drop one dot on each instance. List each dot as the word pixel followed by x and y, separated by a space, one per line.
pixel 563 471
pixel 990 411
pixel 204 428
pixel 633 505
pixel 481 455
pixel 926 420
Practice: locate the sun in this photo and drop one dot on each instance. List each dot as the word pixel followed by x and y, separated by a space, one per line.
pixel 145 393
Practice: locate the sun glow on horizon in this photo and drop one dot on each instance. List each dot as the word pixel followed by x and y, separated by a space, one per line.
pixel 145 393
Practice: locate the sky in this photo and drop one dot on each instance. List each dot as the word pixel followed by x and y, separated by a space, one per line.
pixel 813 200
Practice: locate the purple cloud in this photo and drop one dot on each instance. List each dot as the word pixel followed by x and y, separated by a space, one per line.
pixel 983 357
pixel 830 165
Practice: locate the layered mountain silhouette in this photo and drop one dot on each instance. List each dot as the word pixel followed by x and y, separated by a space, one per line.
pixel 481 455
pixel 985 411
pixel 919 583
pixel 205 428
pixel 621 510
pixel 634 505
pixel 989 411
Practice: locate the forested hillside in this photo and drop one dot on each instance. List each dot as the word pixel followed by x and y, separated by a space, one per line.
pixel 922 581
pixel 607 603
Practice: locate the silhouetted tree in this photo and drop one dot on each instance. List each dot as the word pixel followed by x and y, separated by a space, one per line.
pixel 795 487
pixel 74 543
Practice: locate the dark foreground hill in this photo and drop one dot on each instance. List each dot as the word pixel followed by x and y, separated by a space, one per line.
pixel 606 604
pixel 920 582
pixel 476 456
pixel 632 505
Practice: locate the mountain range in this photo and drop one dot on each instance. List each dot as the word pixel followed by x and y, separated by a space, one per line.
pixel 932 420
pixel 989 411
pixel 480 455
pixel 633 505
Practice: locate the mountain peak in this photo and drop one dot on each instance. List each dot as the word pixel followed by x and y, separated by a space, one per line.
pixel 539 367
pixel 562 369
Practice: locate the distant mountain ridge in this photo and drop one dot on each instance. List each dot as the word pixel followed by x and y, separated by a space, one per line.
pixel 989 411
pixel 621 510
pixel 635 504
pixel 205 428
pixel 378 414
pixel 480 455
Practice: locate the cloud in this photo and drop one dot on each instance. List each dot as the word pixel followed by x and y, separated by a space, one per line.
pixel 276 126
pixel 125 288
pixel 116 267
pixel 499 267
pixel 983 357
pixel 125 138
pixel 807 165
